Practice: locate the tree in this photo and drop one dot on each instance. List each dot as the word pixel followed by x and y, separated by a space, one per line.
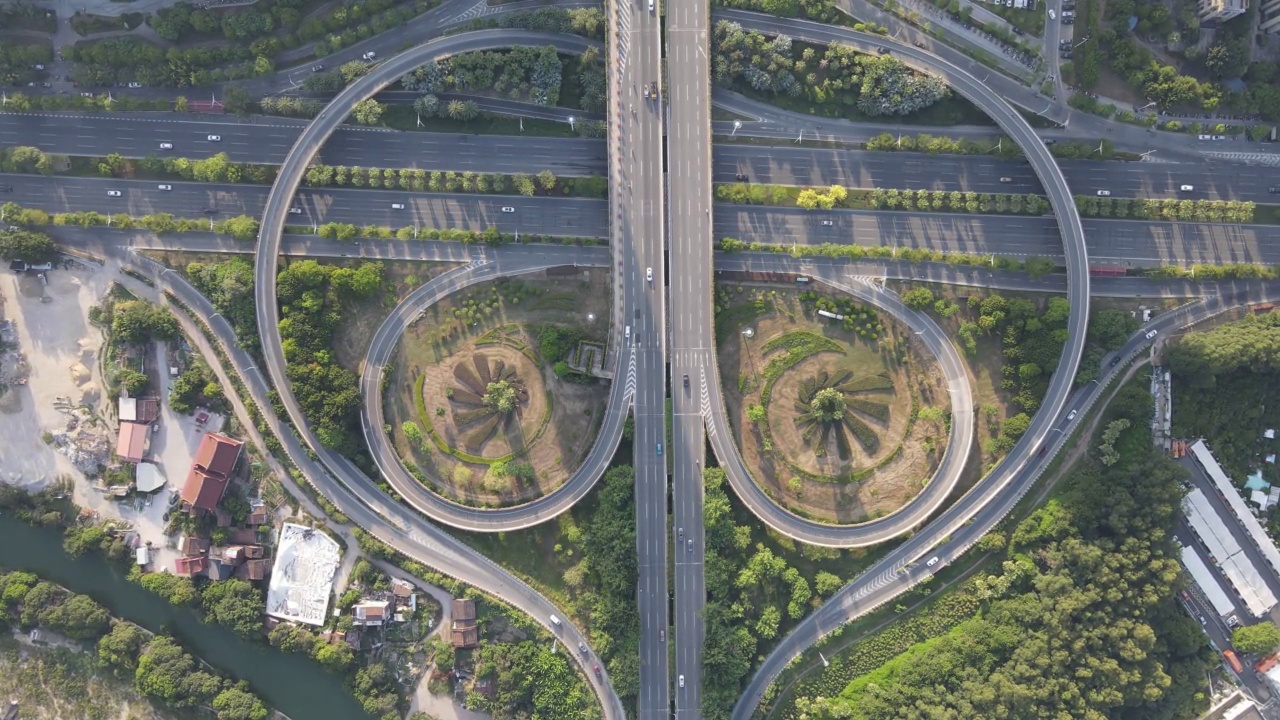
pixel 33 247
pixel 236 604
pixel 547 180
pixel 78 617
pixel 1256 639
pixel 162 668
pixel 334 657
pixel 756 414
pixel 368 112
pixel 119 648
pixel 237 100
pixel 918 298
pixel 137 321
pixel 236 703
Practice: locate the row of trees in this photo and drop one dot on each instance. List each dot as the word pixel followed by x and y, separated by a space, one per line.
pixel 876 84
pixel 114 61
pixel 956 201
pixel 160 668
pixel 1232 211
pixel 544 182
pixel 213 169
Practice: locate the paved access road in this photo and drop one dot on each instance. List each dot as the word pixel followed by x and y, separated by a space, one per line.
pixel 793 165
pixel 276 212
pixel 266 140
pixel 1110 242
pixel 575 217
pixel 977 512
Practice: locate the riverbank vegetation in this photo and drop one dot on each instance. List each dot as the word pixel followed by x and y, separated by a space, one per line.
pixel 159 667
pixel 1088 581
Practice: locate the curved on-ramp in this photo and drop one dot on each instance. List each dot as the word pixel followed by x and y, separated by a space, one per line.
pixel 359 496
pixel 949 468
pixel 384 343
pixel 919 509
pixel 894 574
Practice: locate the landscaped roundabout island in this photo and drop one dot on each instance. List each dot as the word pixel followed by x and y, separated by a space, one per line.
pixel 838 413
pixel 494 395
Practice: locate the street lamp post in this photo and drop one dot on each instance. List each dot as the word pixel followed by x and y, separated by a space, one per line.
pixel 737 125
pixel 571 124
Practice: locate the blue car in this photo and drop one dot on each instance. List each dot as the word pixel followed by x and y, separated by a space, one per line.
pixel 659 449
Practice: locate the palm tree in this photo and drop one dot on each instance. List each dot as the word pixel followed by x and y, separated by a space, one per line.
pixel 488 396
pixel 828 407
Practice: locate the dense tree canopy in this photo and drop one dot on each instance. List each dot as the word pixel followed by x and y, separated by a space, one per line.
pixel 234 603
pixel 33 247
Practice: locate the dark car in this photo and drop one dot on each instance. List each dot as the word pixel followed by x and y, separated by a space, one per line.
pixel 211 211
pixel 883 50
pixel 6 188
pixel 920 44
pixel 1274 190
pixel 686 381
pixel 1114 361
pixel 740 177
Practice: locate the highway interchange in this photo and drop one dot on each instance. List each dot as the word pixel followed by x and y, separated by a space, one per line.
pixel 656 207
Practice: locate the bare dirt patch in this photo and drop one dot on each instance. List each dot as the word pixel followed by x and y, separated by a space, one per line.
pixel 806 476
pixel 500 320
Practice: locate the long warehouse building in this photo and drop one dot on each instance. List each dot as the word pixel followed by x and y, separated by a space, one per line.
pixel 1229 492
pixel 1223 549
pixel 1208 584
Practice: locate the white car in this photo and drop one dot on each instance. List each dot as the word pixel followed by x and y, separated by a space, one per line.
pixel 1206 137
pixel 508 209
pixel 369 56
pixel 1072 415
pixel 135 84
pixel 1052 15
pixel 1152 334
pixel 295 211
pixel 215 138
pixel 681 681
pixel 397 206
pixel 648 274
pixel 1104 193
pixel 164 187
pixel 827 223
pixel 166 146
pixel 1186 188
pixel 113 193
pixel 1219 137
pixel 932 561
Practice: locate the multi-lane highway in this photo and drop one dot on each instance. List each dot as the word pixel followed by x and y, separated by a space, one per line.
pixel 792 165
pixel 1111 242
pixel 1138 243
pixel 695 374
pixel 570 217
pixel 266 140
pixel 639 213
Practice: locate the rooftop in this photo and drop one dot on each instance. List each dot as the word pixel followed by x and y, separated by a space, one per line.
pixel 305 564
pixel 131 443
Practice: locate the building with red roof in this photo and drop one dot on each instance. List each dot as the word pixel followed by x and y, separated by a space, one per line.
pixel 211 471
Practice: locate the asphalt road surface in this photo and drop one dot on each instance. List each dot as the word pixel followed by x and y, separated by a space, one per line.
pixel 266 140
pixel 637 206
pixel 1111 242
pixel 794 165
pixel 695 372
pixel 575 217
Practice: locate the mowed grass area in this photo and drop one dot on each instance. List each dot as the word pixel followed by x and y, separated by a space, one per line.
pixel 500 323
pixel 882 376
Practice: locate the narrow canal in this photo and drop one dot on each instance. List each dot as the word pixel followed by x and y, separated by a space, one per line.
pixel 292 684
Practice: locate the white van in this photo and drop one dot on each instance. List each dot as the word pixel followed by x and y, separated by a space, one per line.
pixel 650 5
pixel 555 621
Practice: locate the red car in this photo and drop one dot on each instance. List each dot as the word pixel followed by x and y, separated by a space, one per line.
pixel 597 669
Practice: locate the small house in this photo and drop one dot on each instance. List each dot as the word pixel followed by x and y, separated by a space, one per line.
pixel 371 613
